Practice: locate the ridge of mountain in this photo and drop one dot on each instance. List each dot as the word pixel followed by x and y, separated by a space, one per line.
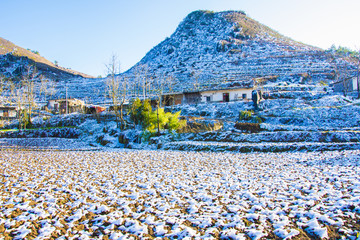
pixel 210 48
pixel 14 59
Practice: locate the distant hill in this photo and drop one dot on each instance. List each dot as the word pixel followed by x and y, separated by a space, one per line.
pixel 211 48
pixel 14 59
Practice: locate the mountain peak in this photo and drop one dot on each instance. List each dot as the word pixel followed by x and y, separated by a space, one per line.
pixel 216 47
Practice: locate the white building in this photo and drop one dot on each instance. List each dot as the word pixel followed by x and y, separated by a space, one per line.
pixel 347 86
pixel 226 95
pixel 7 112
pixel 66 105
pixel 354 82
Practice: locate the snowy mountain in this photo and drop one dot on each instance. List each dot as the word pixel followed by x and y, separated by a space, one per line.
pixel 14 61
pixel 207 49
pixel 210 48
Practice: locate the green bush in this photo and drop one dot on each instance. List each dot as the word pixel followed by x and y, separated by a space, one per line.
pixel 142 114
pixel 249 116
pixel 343 51
pixel 245 115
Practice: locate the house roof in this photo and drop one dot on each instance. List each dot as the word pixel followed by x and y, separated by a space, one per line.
pixel 64 99
pixel 220 87
pixel 7 108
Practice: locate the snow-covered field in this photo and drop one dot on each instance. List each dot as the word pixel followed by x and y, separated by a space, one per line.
pixel 130 194
pixel 45 144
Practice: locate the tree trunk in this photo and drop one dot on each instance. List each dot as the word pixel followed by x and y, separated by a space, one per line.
pixel 158 123
pixel 122 127
pixel 116 116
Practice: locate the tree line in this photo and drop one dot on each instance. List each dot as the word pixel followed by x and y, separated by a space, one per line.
pixel 26 93
pixel 119 89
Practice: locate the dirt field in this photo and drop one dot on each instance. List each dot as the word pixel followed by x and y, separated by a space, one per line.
pixel 158 194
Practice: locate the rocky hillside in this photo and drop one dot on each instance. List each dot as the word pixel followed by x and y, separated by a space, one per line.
pixel 14 61
pixel 210 48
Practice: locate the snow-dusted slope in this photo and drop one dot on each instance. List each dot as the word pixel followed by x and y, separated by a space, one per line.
pixel 209 48
pixel 14 61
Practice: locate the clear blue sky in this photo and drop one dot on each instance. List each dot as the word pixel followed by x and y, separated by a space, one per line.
pixel 83 34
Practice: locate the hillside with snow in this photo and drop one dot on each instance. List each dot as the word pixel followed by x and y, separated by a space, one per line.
pixel 210 48
pixel 207 50
pixel 15 60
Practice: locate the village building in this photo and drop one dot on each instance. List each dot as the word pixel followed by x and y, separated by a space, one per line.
pixel 169 99
pixel 346 86
pixel 7 112
pixel 225 93
pixel 66 105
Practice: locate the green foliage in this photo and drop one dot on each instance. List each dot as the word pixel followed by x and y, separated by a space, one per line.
pixel 245 115
pixel 208 12
pixel 142 114
pixel 322 83
pixel 343 51
pixel 134 111
pixel 174 123
pixel 145 112
pixel 33 51
pixel 249 116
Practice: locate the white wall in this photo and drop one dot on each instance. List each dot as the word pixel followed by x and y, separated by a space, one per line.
pixel 51 104
pixel 234 94
pixel 354 82
pixel 12 113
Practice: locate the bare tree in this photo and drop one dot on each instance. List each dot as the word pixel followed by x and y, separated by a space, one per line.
pixel 161 83
pixel 30 79
pixel 167 86
pixel 47 87
pixel 170 87
pixel 341 71
pixel 342 76
pixel 23 95
pixel 116 90
pixel 18 98
pixel 142 82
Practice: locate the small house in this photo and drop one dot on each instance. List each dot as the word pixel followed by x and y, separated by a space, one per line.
pixel 192 97
pixel 53 105
pixel 187 97
pixel 226 95
pixel 66 105
pixel 7 112
pixel 226 92
pixel 169 99
pixel 346 86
